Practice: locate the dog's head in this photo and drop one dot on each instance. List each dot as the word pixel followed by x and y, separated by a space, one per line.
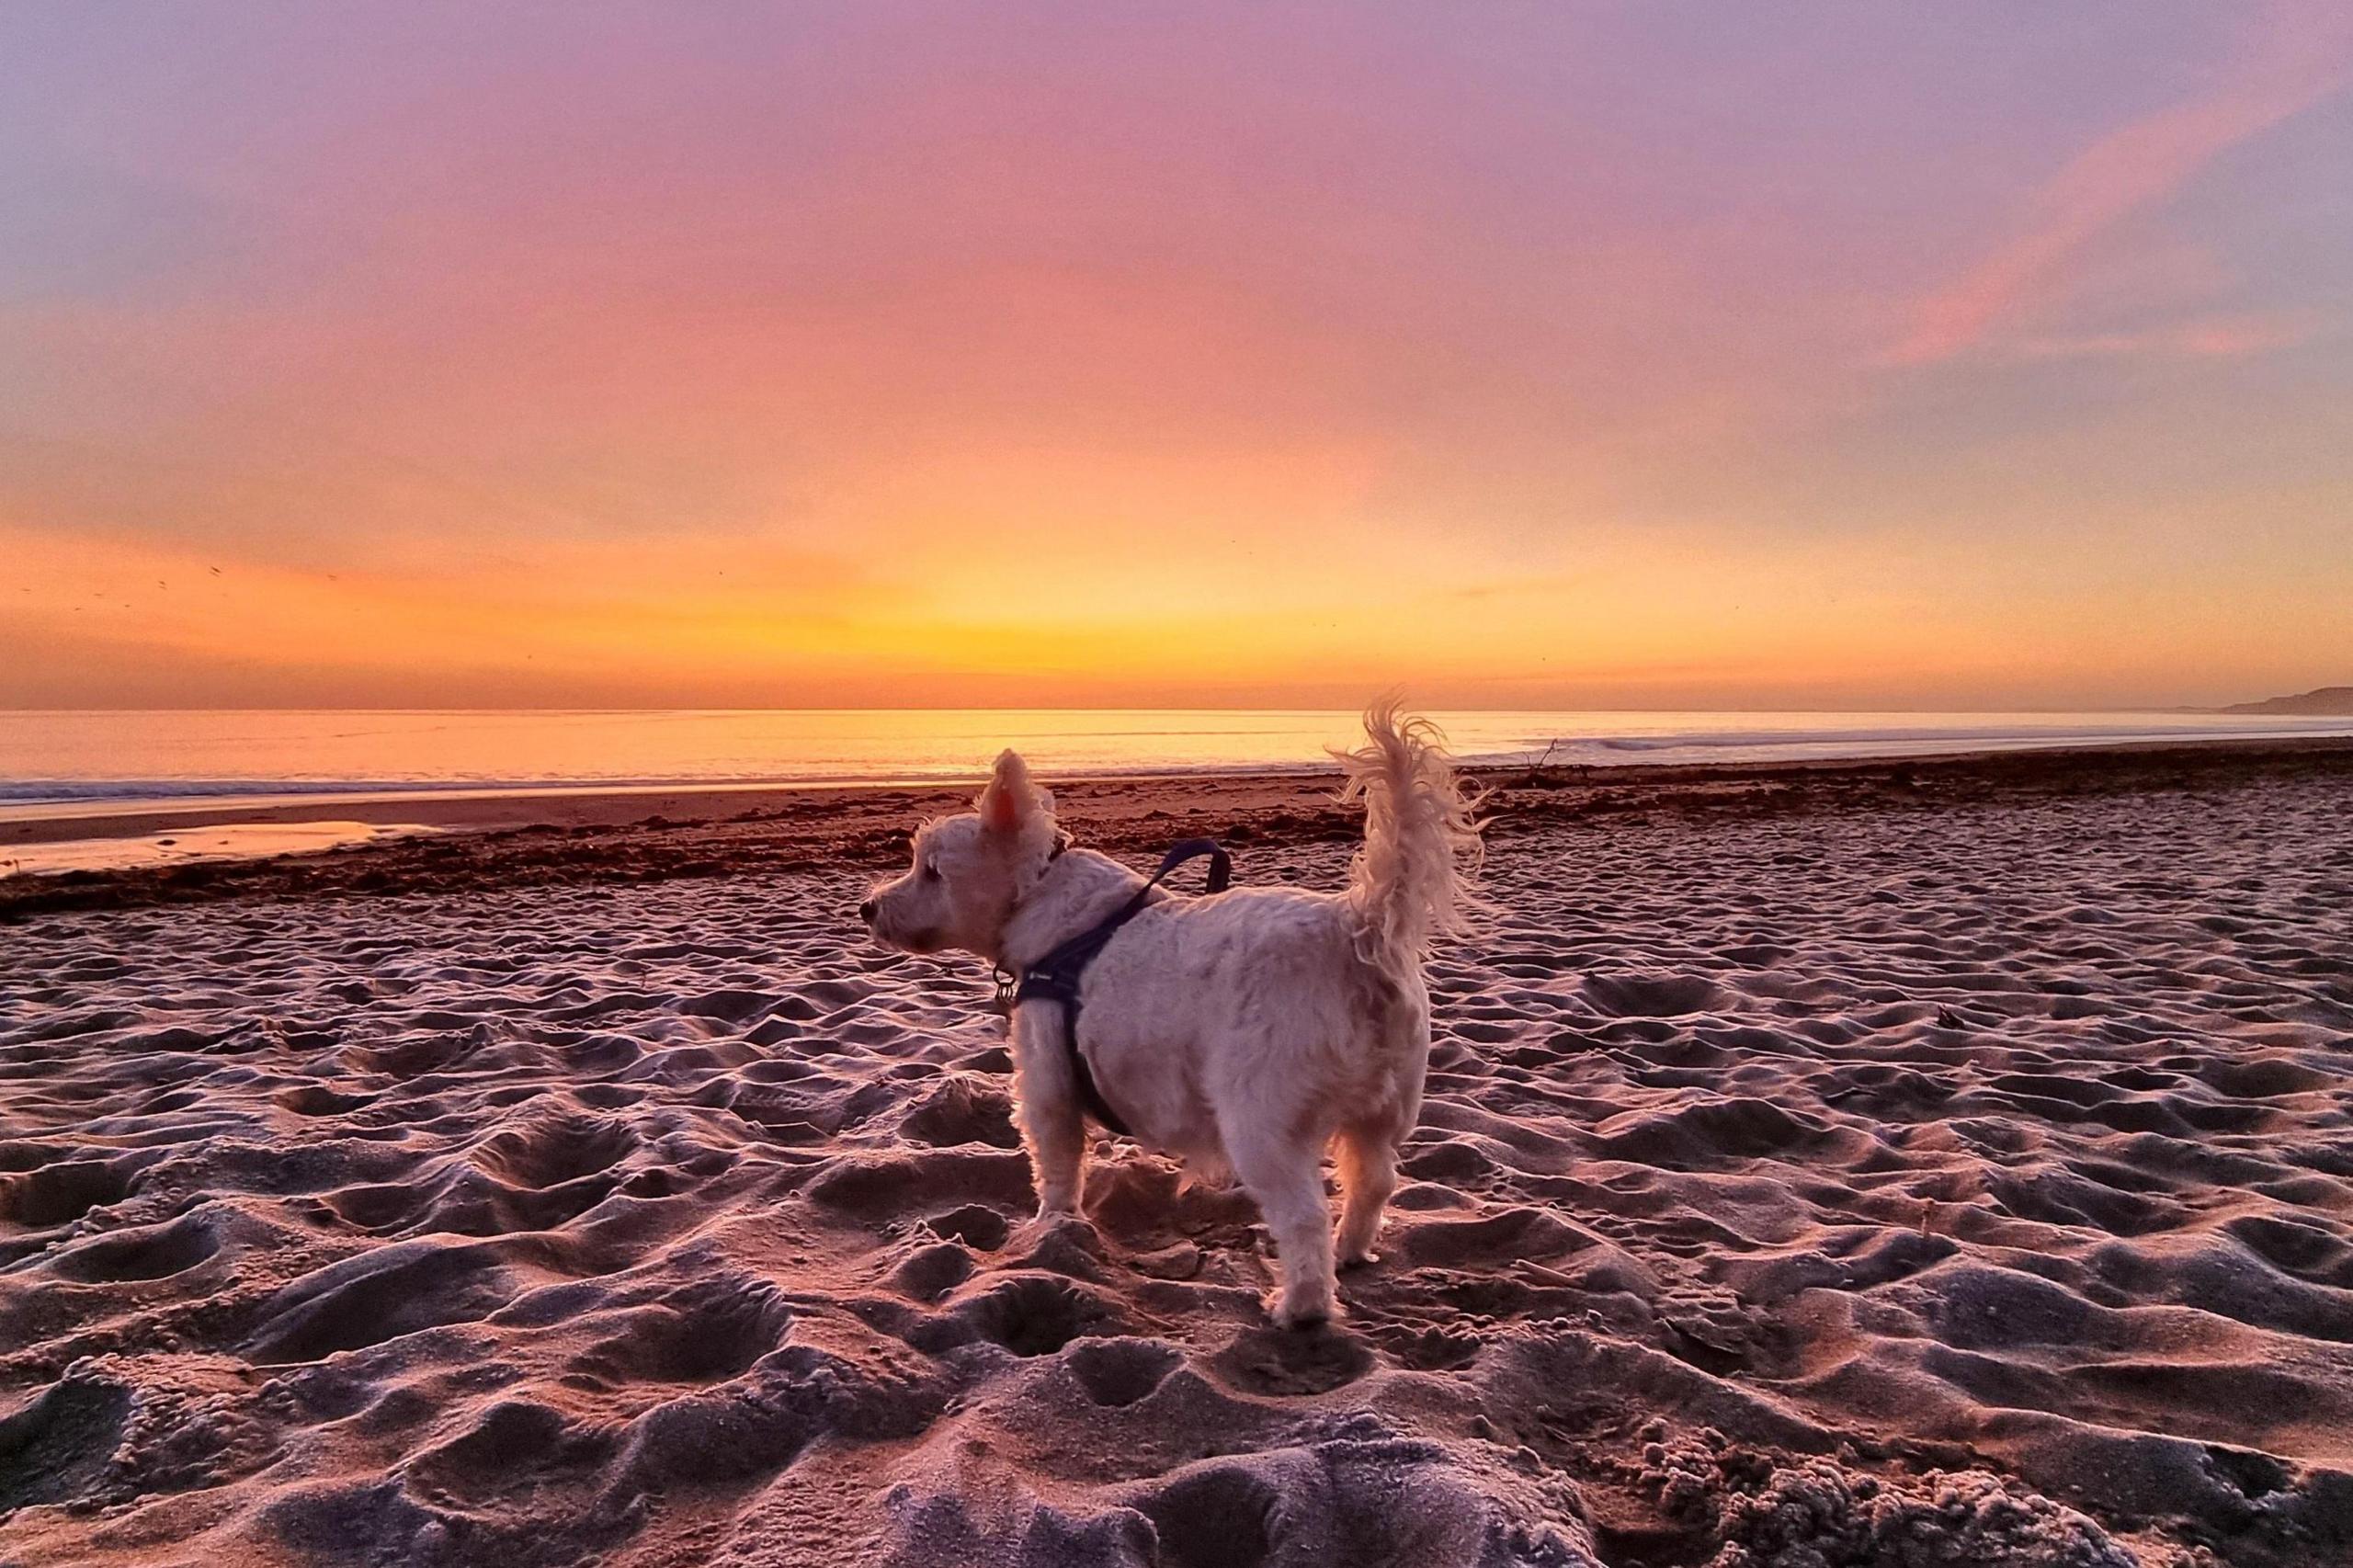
pixel 970 871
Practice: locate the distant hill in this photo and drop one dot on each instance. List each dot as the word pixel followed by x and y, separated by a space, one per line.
pixel 2326 699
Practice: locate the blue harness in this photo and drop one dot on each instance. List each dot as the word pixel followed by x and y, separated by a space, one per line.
pixel 1055 977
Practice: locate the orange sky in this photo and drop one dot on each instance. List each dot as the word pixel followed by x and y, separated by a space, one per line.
pixel 1578 355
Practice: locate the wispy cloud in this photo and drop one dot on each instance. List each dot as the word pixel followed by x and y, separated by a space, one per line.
pixel 2294 55
pixel 2211 337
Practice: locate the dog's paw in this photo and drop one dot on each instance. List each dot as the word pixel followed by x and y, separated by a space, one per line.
pixel 1364 1259
pixel 1301 1312
pixel 1048 1223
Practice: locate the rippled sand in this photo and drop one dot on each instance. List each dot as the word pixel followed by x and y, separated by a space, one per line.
pixel 1823 1185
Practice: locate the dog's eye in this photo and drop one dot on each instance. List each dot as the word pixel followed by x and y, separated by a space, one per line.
pixel 930 872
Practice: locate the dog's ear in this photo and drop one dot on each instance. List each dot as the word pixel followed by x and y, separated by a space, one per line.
pixel 1010 799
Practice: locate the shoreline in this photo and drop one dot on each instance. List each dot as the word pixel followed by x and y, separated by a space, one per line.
pixel 460 803
pixel 462 808
pixel 502 840
pixel 471 809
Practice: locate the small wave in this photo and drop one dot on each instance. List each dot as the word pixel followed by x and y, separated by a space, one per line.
pixel 67 791
pixel 77 791
pixel 22 793
pixel 1760 742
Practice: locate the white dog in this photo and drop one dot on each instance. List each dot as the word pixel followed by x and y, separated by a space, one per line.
pixel 1244 1031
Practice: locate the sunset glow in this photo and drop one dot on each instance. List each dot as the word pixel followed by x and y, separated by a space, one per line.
pixel 1654 355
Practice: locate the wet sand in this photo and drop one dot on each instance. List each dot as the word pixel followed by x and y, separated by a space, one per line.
pixel 1940 1164
pixel 188 846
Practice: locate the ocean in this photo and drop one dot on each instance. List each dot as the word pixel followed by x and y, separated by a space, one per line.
pixel 94 759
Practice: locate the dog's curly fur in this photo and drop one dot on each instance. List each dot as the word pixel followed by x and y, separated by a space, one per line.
pixel 1246 1031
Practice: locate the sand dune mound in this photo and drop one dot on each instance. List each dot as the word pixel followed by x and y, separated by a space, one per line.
pixel 1949 1188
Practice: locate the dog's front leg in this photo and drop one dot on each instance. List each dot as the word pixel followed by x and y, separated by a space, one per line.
pixel 1047 1106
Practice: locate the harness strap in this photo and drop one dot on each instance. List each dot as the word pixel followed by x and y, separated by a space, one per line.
pixel 1055 977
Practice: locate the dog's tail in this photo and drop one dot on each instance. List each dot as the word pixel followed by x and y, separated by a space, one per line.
pixel 1420 835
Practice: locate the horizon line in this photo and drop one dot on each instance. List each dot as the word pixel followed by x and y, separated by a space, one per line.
pixel 1132 708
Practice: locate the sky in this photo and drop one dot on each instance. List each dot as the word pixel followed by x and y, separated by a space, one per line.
pixel 1650 355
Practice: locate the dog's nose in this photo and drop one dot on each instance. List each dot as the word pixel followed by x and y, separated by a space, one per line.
pixel 866 911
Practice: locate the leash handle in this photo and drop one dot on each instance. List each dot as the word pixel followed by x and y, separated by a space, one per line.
pixel 1220 863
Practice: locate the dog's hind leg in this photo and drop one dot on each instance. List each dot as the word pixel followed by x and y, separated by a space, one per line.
pixel 1370 1138
pixel 1368 1153
pixel 1286 1178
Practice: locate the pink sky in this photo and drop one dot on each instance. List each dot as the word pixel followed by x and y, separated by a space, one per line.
pixel 892 353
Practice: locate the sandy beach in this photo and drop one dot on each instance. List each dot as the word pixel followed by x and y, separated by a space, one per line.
pixel 1940 1164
